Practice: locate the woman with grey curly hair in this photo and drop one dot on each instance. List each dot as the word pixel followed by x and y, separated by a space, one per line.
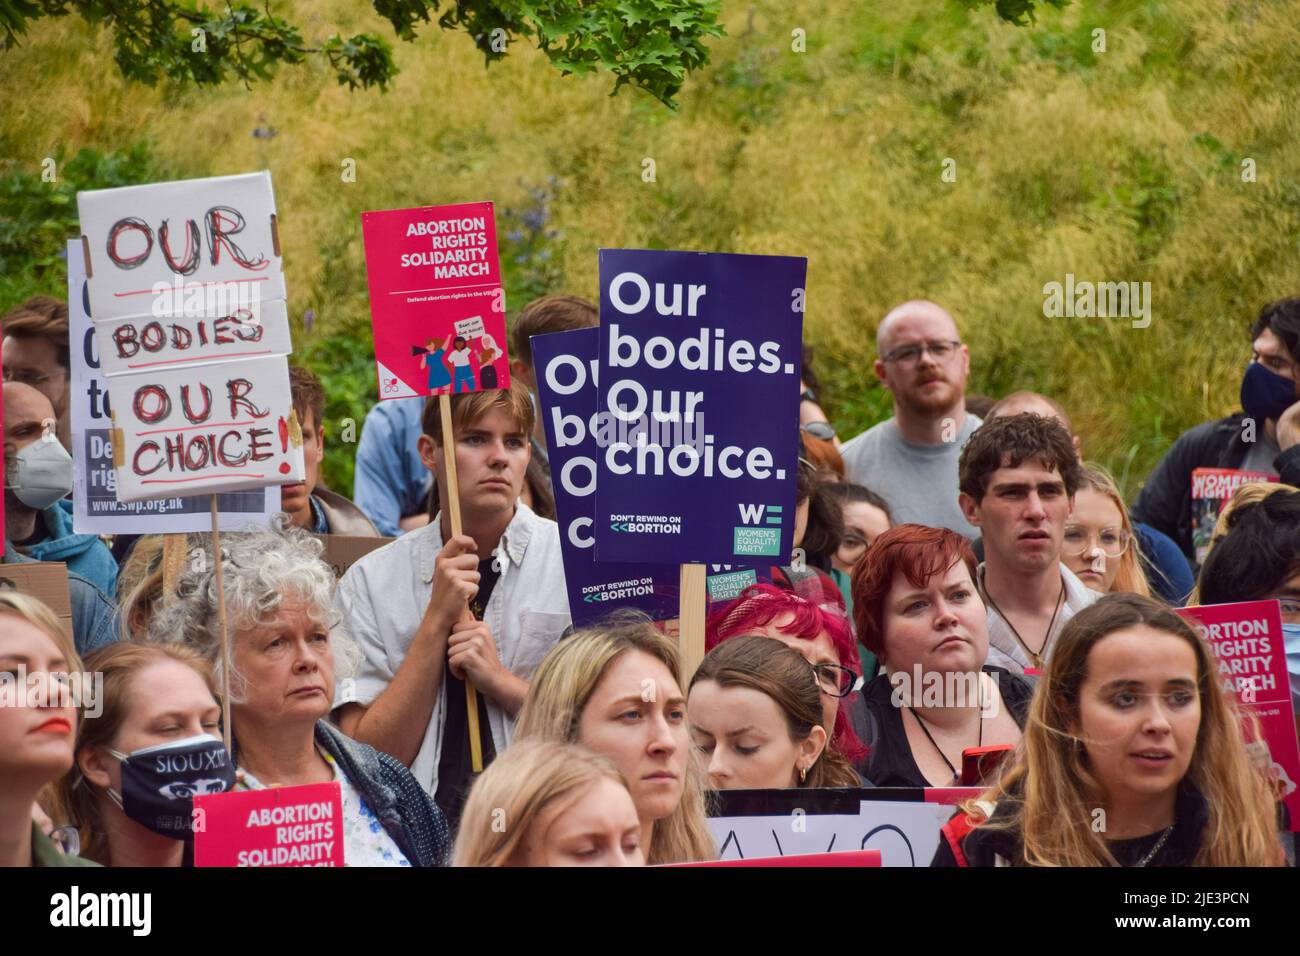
pixel 279 610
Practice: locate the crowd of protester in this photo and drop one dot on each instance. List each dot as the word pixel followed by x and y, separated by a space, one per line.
pixel 981 551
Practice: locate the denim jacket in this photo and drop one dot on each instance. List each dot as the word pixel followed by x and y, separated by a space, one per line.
pixel 94 616
pixel 407 813
pixel 391 480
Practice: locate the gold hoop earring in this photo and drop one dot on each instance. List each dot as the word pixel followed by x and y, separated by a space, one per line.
pixel 803 774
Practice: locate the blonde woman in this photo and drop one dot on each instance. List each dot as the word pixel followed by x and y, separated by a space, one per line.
pixel 1099 545
pixel 37 730
pixel 1133 756
pixel 547 803
pixel 617 690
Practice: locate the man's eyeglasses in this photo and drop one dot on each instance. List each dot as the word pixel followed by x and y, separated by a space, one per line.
pixel 1112 541
pixel 27 376
pixel 836 680
pixel 911 354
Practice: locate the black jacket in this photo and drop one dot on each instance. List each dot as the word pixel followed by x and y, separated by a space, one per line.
pixel 1166 499
pixel 984 844
pixel 890 762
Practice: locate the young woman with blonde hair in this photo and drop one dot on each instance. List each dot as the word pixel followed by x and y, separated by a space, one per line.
pixel 1099 544
pixel 547 803
pixel 616 689
pixel 1133 756
pixel 38 725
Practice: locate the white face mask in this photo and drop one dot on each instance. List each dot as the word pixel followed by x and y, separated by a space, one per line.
pixel 42 473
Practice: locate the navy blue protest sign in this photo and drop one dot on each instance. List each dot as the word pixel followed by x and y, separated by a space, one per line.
pixel 699 374
pixel 565 365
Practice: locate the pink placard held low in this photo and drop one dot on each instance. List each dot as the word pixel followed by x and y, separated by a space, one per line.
pixel 278 826
pixel 1246 639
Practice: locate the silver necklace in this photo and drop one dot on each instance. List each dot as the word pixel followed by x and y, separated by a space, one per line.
pixel 1156 849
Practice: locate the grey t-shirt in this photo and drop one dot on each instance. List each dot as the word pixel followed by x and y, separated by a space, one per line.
pixel 1261 454
pixel 918 481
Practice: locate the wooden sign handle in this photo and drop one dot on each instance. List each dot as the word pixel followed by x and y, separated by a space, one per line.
pixel 453 511
pixel 690 613
pixel 225 630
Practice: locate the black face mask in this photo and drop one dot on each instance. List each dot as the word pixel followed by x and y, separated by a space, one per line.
pixel 159 783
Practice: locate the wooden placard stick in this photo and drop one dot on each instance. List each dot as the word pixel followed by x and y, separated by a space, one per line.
pixel 453 511
pixel 173 564
pixel 225 630
pixel 690 612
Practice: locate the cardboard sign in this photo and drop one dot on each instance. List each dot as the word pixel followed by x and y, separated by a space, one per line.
pixel 221 427
pixel 700 359
pixel 144 342
pixel 1211 489
pixel 902 823
pixel 1247 641
pixel 278 826
pixel 95 506
pixel 343 550
pixel 566 365
pixel 181 428
pixel 852 858
pixel 47 581
pixel 165 248
pixel 434 278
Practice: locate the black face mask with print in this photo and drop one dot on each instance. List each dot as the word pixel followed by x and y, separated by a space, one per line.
pixel 159 783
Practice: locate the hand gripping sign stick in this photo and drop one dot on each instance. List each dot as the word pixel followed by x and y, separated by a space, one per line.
pixel 453 510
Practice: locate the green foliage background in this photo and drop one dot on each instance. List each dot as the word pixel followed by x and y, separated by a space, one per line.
pixel 1122 165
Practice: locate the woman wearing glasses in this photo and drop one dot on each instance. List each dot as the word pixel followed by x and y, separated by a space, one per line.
pixel 937 704
pixel 1099 545
pixel 819 632
pixel 755 717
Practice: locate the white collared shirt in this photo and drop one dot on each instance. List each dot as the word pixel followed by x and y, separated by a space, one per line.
pixel 382 599
pixel 1004 650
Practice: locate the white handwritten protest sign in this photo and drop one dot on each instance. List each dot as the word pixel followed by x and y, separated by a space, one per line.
pixel 95 507
pixel 138 343
pixel 903 823
pixel 187 296
pixel 189 246
pixel 211 428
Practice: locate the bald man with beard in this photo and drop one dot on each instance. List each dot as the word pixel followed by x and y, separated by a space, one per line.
pixel 911 459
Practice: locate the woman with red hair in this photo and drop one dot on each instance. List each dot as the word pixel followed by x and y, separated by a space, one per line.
pixel 918 610
pixel 819 632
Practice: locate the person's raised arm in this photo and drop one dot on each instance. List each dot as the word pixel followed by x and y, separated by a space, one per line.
pixel 395 722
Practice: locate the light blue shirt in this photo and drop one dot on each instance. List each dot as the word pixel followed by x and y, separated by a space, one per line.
pixel 391 481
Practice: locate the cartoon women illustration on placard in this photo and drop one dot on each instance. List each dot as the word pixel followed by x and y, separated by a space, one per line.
pixel 488 354
pixel 435 360
pixel 459 357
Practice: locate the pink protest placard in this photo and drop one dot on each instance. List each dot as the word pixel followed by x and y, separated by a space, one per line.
pixel 278 826
pixel 1246 639
pixel 437 307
